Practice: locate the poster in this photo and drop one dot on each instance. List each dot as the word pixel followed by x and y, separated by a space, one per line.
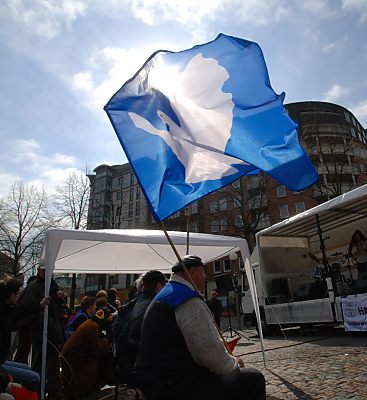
pixel 355 313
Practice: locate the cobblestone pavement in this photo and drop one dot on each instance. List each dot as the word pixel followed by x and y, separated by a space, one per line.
pixel 303 365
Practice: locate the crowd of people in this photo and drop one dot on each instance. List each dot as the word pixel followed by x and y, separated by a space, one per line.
pixel 163 341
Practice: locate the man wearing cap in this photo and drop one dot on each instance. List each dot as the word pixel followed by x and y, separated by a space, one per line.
pixel 88 357
pixel 181 353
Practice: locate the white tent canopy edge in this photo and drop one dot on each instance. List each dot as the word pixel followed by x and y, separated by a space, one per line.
pixel 131 251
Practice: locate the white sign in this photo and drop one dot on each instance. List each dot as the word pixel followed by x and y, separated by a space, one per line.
pixel 355 313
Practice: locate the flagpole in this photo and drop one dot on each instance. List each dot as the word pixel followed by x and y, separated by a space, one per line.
pixel 188 234
pixel 189 278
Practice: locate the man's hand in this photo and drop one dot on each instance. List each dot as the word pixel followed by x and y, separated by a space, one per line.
pixel 44 301
pixel 240 362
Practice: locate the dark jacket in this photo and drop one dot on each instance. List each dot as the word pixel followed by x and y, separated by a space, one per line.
pixel 35 292
pixel 9 317
pixel 163 354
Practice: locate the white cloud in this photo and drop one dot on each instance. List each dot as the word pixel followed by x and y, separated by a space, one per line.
pixel 116 65
pixel 28 158
pixel 7 180
pixel 321 8
pixel 335 93
pixel 360 6
pixel 335 45
pixel 44 18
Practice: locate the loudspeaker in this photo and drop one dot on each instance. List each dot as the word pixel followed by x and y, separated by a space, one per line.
pixel 224 282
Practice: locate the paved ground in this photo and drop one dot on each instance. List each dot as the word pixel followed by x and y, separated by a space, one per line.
pixel 305 365
pixel 309 365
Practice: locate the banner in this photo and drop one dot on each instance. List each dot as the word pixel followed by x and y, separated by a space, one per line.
pixel 355 313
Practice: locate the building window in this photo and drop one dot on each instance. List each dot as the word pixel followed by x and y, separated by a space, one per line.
pixel 132 179
pixel 217 267
pixel 353 132
pixel 130 212
pixel 175 215
pixel 238 221
pixel 346 115
pixel 130 224
pixel 114 280
pixel 137 222
pixel 237 202
pixel 300 207
pixel 214 225
pixel 223 224
pixel 137 208
pixel 137 193
pixel 192 208
pixel 213 206
pixel 281 192
pixel 227 265
pixel 223 204
pixel 194 227
pixel 131 194
pixel 118 195
pixel 283 211
pixel 118 211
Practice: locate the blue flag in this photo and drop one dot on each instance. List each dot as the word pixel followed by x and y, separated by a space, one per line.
pixel 194 121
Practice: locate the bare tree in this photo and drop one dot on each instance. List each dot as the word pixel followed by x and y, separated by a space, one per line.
pixel 71 201
pixel 23 222
pixel 71 208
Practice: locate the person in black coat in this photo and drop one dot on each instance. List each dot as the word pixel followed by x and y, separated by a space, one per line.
pixel 10 314
pixel 215 307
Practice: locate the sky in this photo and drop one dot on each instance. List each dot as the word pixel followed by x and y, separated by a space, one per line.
pixel 62 60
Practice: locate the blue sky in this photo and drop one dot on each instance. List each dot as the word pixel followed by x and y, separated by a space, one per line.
pixel 61 61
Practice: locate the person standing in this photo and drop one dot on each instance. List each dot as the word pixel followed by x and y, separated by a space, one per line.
pixel 55 333
pixel 181 354
pixel 10 314
pixel 358 251
pixel 215 306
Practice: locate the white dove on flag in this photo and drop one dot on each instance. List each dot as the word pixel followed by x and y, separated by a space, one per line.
pixel 205 115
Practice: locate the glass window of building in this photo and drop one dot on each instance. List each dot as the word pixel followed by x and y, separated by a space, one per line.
pixel 192 208
pixel 217 267
pixel 353 132
pixel 237 201
pixel 281 192
pixel 137 208
pixel 283 211
pixel 223 204
pixel 214 225
pixel 213 206
pixel 238 221
pixel 227 265
pixel 194 227
pixel 137 193
pixel 346 115
pixel 132 179
pixel 300 207
pixel 131 195
pixel 130 212
pixel 224 224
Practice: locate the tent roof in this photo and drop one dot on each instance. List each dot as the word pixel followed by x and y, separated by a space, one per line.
pixel 347 209
pixel 294 244
pixel 130 250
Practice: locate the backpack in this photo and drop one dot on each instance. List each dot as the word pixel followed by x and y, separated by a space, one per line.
pixel 120 328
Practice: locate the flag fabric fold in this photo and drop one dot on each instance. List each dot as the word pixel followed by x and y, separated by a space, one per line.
pixel 194 121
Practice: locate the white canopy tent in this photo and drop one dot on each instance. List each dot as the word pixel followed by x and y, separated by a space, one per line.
pixel 131 251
